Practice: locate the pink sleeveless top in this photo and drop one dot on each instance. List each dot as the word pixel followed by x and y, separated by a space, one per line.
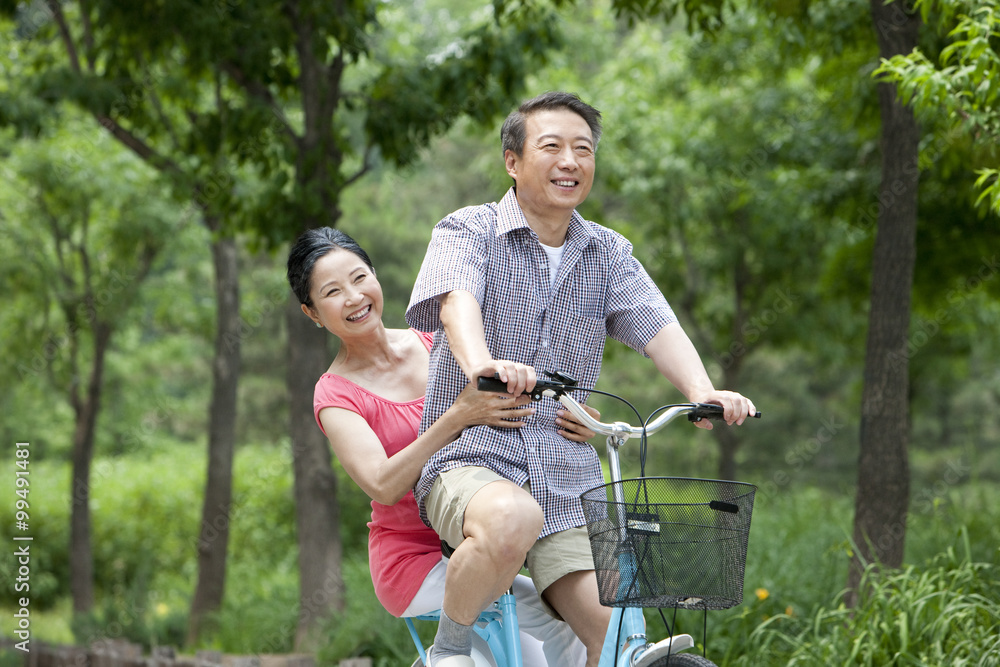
pixel 401 549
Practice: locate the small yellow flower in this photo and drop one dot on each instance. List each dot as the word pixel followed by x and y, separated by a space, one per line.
pixel 162 609
pixel 789 611
pixel 762 594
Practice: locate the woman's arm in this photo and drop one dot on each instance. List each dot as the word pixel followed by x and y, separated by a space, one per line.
pixel 386 479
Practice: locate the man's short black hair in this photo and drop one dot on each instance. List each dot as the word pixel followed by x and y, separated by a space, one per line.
pixel 513 133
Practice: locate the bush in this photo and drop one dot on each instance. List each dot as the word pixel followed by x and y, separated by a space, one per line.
pixel 365 628
pixel 946 612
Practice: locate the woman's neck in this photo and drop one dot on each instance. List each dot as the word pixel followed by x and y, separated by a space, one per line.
pixel 370 352
pixel 392 365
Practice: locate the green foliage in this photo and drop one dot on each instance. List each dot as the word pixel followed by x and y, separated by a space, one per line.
pixel 944 612
pixel 962 92
pixel 478 76
pixel 364 628
pixel 146 510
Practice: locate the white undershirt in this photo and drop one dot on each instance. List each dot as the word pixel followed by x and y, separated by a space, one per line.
pixel 555 256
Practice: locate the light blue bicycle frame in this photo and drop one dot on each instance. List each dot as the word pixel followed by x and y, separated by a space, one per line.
pixel 498 627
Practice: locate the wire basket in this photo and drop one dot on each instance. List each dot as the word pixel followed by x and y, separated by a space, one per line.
pixel 670 542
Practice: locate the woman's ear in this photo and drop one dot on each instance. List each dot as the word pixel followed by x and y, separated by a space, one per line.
pixel 309 313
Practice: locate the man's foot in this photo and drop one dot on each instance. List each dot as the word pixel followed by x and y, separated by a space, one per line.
pixel 663 648
pixel 450 661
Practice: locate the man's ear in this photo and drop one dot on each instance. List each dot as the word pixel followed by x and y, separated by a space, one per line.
pixel 510 162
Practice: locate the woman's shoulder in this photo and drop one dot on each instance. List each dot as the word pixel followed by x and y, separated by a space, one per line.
pixel 333 387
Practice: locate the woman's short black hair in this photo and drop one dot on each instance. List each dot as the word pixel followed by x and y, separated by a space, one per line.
pixel 309 248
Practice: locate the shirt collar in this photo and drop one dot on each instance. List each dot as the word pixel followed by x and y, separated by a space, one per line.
pixel 511 217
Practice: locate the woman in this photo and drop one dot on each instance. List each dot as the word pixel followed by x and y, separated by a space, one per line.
pixel 369 403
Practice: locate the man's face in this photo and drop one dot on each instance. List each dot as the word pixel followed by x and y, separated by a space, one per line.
pixel 555 172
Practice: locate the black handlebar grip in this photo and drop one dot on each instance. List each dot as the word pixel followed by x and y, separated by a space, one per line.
pixel 709 411
pixel 491 384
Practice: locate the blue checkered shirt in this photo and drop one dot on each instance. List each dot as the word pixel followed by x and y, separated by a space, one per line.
pixel 600 290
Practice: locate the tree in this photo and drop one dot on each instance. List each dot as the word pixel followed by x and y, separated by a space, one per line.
pixel 83 227
pixel 283 87
pixel 883 493
pixel 160 116
pixel 722 176
pixel 959 96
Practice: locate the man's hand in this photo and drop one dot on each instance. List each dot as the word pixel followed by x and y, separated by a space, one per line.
pixel 736 407
pixel 519 378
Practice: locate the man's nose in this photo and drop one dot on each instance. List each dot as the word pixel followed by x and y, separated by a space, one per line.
pixel 567 159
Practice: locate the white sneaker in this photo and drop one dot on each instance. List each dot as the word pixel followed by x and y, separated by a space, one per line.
pixel 450 661
pixel 663 648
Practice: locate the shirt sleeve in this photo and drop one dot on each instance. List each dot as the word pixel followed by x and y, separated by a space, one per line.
pixel 636 309
pixel 331 392
pixel 456 259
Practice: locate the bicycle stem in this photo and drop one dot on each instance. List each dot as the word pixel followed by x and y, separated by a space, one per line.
pixel 617 433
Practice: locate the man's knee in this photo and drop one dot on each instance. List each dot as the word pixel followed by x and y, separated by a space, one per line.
pixel 506 516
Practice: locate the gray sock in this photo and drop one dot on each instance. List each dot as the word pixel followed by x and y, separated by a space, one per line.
pixel 452 638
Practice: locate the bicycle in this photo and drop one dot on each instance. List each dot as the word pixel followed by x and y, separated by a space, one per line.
pixel 637 527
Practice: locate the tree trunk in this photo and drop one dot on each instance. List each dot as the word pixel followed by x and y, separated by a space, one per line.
pixel 727 437
pixel 880 510
pixel 81 562
pixel 317 512
pixel 218 510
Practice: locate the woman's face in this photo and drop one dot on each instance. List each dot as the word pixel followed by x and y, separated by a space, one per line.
pixel 346 295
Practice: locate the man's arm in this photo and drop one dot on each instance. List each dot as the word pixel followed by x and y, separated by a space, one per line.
pixel 462 320
pixel 677 360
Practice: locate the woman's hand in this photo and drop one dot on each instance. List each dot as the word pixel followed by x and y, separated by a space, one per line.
pixel 573 430
pixel 478 408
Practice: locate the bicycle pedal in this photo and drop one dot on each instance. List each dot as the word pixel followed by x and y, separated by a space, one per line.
pixel 664 648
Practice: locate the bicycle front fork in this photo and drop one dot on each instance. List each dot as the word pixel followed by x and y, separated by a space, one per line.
pixel 626 635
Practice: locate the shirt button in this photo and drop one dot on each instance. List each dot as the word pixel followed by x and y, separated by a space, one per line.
pixel 545 343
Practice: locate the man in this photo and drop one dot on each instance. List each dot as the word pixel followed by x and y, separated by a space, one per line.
pixel 512 287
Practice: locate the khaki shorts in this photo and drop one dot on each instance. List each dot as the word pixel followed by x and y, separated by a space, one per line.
pixel 553 556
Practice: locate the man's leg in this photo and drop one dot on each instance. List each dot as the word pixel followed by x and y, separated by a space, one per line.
pixel 491 523
pixel 575 597
pixel 502 521
pixel 562 568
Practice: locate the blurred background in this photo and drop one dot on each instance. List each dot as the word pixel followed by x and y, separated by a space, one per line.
pixel 832 254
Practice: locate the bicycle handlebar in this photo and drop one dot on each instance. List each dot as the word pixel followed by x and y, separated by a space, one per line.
pixel 559 389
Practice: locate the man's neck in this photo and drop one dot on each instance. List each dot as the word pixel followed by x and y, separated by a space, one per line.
pixel 550 226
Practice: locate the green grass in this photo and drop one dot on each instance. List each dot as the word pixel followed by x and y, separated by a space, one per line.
pixel 940 609
pixel 946 612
